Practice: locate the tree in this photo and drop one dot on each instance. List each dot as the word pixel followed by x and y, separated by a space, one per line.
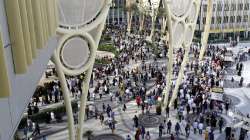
pixel 131 7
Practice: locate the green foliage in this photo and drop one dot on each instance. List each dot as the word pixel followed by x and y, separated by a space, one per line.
pixel 102 61
pixel 132 8
pixel 162 12
pixel 109 48
pixel 196 40
pixel 106 38
pixel 155 49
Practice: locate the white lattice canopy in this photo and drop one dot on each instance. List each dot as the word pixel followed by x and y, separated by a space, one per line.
pixel 183 15
pixel 144 6
pixel 154 4
pixel 78 12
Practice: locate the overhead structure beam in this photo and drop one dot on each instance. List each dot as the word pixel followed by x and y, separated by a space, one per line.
pixel 170 55
pixel 16 36
pixel 206 32
pixel 26 30
pixel 181 18
pixel 5 89
pixel 84 34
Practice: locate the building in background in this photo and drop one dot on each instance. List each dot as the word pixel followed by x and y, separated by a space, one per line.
pixel 117 12
pixel 230 19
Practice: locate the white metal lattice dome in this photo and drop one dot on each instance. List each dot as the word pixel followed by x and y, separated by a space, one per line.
pixel 78 12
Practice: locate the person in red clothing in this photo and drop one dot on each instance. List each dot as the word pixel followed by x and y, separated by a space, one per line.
pixel 138 100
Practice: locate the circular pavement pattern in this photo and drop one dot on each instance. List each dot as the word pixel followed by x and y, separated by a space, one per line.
pixel 230 84
pixel 235 100
pixel 107 123
pixel 150 120
pixel 107 137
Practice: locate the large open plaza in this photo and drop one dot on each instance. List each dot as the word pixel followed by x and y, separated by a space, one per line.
pixel 124 70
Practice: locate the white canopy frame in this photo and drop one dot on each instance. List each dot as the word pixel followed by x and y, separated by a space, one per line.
pixel 181 20
pixel 82 31
pixel 206 32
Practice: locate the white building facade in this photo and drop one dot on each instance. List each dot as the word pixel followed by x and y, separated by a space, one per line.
pixel 231 18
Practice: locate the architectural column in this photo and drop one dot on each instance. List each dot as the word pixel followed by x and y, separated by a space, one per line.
pixel 170 55
pixel 85 84
pixel 129 21
pixel 66 96
pixel 31 28
pixel 113 14
pixel 152 27
pixel 181 32
pixel 44 21
pixel 206 29
pixel 118 11
pixel 38 23
pixel 142 19
pixel 163 26
pixel 56 19
pixel 180 74
pixel 5 90
pixel 16 36
pixel 26 32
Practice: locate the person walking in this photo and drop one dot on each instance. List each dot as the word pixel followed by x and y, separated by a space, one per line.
pixel 187 130
pixel 165 126
pixel 177 129
pixel 167 112
pixel 172 137
pixel 128 137
pixel 161 130
pixel 103 107
pixel 87 111
pixel 137 134
pixel 113 126
pixel 37 130
pixel 108 110
pixel 206 135
pixel 221 122
pixel 135 119
pixel 143 131
pixel 169 125
pixel 211 135
pixel 101 118
pixel 232 137
pixel 147 137
pixel 200 127
pixel 195 126
pixel 124 107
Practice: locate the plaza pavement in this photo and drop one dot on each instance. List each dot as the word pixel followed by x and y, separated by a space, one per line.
pixel 125 122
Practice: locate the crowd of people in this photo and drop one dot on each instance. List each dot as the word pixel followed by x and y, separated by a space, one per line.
pixel 135 74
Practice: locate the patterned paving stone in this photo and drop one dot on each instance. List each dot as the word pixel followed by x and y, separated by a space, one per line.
pixel 235 100
pixel 230 84
pixel 230 71
pixel 150 120
pixel 108 137
pixel 107 123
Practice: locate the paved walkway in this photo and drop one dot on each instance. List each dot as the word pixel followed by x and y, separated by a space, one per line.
pixel 48 129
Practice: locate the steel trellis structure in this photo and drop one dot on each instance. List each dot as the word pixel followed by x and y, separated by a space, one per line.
pixel 181 20
pixel 67 64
